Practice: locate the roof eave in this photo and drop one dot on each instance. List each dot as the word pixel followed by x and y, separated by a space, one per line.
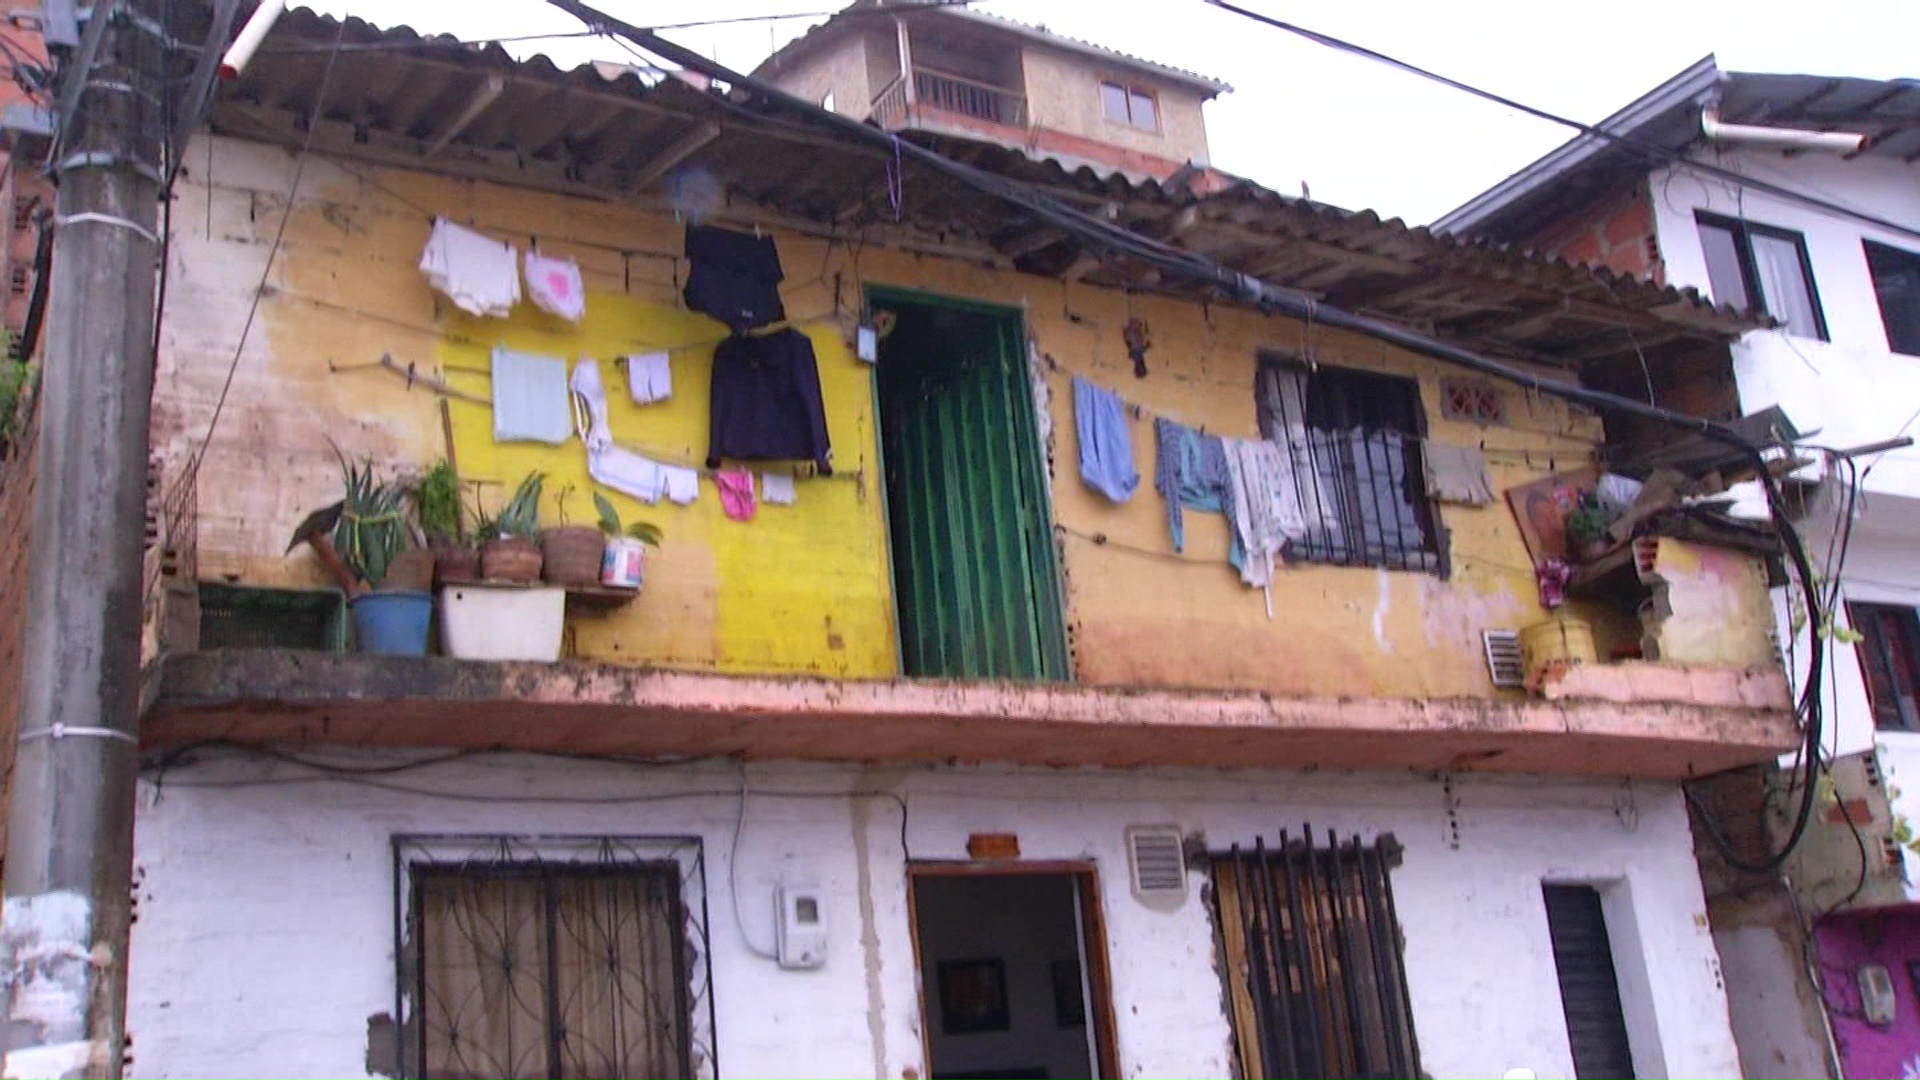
pixel 1689 88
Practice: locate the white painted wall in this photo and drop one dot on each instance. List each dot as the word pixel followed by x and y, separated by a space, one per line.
pixel 1851 387
pixel 265 933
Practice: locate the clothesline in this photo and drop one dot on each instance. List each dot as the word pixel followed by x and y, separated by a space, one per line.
pixel 1140 412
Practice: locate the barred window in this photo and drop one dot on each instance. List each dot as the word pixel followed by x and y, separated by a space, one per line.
pixel 554 958
pixel 1352 439
pixel 1312 959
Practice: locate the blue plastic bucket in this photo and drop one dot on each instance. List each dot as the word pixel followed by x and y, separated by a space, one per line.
pixel 392 623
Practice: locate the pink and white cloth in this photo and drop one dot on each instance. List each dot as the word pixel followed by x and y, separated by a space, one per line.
pixel 554 286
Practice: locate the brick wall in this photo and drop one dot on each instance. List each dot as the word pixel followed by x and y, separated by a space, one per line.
pixel 1616 232
pixel 16 517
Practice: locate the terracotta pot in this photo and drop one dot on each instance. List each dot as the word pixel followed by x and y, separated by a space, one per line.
pixel 410 571
pixel 456 563
pixel 510 558
pixel 573 554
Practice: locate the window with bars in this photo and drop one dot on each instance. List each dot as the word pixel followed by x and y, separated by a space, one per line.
pixel 1889 652
pixel 554 959
pixel 1351 440
pixel 1311 950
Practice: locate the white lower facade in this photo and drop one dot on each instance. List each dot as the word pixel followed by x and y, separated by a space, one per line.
pixel 266 925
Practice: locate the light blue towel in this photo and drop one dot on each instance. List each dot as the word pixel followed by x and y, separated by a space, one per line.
pixel 530 402
pixel 1106 444
pixel 1190 469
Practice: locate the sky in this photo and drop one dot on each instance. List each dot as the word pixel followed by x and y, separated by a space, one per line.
pixel 1353 132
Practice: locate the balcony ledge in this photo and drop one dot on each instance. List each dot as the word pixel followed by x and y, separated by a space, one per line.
pixel 284 697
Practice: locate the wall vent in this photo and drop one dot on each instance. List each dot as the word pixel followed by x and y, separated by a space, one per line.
pixel 1157 861
pixel 1503 657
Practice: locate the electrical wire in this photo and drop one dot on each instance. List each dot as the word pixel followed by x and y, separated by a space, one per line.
pixel 1651 151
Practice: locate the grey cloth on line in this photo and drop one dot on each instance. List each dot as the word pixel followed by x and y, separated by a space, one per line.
pixel 1458 474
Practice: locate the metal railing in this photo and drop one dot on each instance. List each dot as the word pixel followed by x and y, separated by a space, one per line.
pixel 938 90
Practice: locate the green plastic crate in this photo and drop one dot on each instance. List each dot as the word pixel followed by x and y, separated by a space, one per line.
pixel 249 617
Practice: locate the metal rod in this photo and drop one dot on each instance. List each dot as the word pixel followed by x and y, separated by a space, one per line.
pixel 1303 952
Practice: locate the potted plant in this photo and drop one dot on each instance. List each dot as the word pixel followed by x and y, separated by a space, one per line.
pixel 364 539
pixel 1587 529
pixel 508 541
pixel 436 503
pixel 625 551
pixel 572 553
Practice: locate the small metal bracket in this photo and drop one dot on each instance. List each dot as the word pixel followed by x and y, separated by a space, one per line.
pixel 62 731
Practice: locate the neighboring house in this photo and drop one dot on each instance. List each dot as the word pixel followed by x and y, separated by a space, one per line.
pixel 957 71
pixel 949 764
pixel 1842 362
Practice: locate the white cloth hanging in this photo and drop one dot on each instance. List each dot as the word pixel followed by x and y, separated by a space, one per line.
pixel 776 489
pixel 1266 507
pixel 626 472
pixel 530 401
pixel 554 286
pixel 649 377
pixel 680 485
pixel 479 274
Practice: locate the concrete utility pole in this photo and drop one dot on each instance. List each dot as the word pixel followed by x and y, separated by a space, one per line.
pixel 63 933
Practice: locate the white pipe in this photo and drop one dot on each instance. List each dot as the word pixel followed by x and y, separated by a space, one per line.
pixel 1768 138
pixel 248 40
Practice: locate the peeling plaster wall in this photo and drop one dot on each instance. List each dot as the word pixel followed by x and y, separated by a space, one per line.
pixel 266 911
pixel 802 589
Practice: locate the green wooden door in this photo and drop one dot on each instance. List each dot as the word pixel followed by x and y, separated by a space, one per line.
pixel 973 559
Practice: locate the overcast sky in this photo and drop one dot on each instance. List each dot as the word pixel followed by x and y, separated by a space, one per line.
pixel 1360 134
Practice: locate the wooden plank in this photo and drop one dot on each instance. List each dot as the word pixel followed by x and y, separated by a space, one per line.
pixel 688 144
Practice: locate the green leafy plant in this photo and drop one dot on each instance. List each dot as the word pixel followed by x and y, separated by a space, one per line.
pixel 644 531
pixel 16 385
pixel 1587 521
pixel 373 526
pixel 521 516
pixel 436 500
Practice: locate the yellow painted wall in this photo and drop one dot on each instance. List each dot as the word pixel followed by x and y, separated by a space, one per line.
pixel 806 588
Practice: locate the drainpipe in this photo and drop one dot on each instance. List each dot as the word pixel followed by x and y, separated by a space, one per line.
pixel 1771 138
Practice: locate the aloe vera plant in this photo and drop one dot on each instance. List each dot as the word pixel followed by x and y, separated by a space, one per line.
pixel 521 516
pixel 372 528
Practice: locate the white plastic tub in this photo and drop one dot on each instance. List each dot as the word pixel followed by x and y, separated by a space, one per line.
pixel 500 622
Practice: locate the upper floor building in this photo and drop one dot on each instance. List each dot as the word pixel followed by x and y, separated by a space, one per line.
pixel 957 71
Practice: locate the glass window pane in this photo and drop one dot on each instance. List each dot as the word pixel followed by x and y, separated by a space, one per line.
pixel 1896 281
pixel 1143 111
pixel 1723 266
pixel 1784 287
pixel 1113 99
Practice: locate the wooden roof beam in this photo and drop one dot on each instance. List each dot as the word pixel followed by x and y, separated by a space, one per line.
pixel 484 95
pixel 668 157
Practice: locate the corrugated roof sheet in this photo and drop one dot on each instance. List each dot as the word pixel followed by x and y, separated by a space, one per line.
pixel 394 95
pixel 844 20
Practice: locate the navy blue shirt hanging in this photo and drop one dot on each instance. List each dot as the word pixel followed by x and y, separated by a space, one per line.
pixel 766 402
pixel 735 277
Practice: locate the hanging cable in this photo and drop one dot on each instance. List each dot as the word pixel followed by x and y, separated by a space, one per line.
pixel 1112 239
pixel 1650 151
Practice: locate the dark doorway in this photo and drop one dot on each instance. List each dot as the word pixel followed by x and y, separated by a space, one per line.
pixel 1013 972
pixel 975 587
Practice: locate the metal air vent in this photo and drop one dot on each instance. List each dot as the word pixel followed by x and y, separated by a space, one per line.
pixel 1157 861
pixel 1503 657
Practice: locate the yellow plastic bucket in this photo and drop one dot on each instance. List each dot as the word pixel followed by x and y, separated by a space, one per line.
pixel 1557 643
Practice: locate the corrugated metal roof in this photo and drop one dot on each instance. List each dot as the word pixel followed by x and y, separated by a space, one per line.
pixel 395 96
pixel 848 18
pixel 1668 118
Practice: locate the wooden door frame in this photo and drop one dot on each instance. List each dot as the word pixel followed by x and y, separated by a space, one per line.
pixel 1093 932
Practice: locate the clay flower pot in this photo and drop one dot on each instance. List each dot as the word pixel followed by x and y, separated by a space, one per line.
pixel 573 554
pixel 456 563
pixel 510 558
pixel 410 571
